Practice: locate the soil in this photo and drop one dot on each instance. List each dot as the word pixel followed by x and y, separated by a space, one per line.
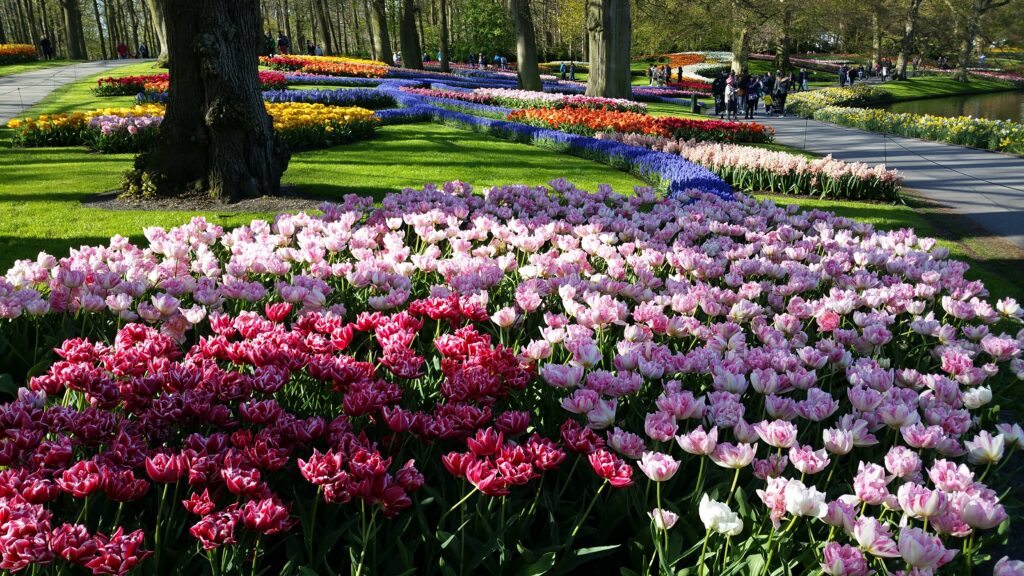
pixel 290 200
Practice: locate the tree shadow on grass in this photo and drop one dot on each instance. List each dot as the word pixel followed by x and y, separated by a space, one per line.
pixel 27 247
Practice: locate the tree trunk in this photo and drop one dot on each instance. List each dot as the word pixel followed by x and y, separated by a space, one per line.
pixel 99 27
pixel 34 30
pixel 73 26
pixel 325 27
pixel 160 27
pixel 375 53
pixel 609 29
pixel 782 48
pixel 135 26
pixel 379 25
pixel 907 44
pixel 740 49
pixel 445 56
pixel 526 45
pixel 216 136
pixel 412 55
pixel 876 39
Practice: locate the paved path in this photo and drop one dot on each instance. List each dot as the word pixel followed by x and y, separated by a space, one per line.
pixel 19 91
pixel 986 187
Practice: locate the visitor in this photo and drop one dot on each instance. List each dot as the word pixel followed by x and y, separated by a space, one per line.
pixel 885 73
pixel 46 47
pixel 741 92
pixel 730 97
pixel 438 55
pixel 310 48
pixel 753 95
pixel 650 75
pixel 122 50
pixel 283 43
pixel 718 93
pixel 472 59
pixel 269 44
pixel 561 69
pixel 981 60
pixel 143 50
pixel 843 75
pixel 781 91
pixel 679 75
pixel 860 72
pixel 802 80
pixel 768 87
pixel 397 58
pixel 318 51
pixel 852 73
pixel 481 62
pixel 572 70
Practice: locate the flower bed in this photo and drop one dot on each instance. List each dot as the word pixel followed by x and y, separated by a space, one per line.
pixel 15 53
pixel 364 98
pixel 327 65
pixel 300 124
pixel 132 85
pixel 750 169
pixel 528 99
pixel 447 371
pixel 842 106
pixel 590 122
pixel 691 86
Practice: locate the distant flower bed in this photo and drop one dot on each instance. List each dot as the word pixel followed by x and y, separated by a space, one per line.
pixel 699 86
pixel 590 122
pixel 326 65
pixel 15 53
pixel 750 169
pixel 132 85
pixel 1000 135
pixel 806 103
pixel 301 125
pixel 685 59
pixel 530 99
pixel 372 99
pixel 1011 77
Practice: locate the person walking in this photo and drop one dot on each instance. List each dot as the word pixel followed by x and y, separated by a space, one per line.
pixel 46 47
pixel 122 50
pixel 310 48
pixel 679 75
pixel 143 50
pixel 781 91
pixel 843 74
pixel 572 70
pixel 730 98
pixel 561 69
pixel 753 95
pixel 718 93
pixel 650 75
pixel 282 43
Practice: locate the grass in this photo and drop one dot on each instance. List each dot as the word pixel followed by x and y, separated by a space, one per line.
pixel 42 188
pixel 998 265
pixel 8 69
pixel 936 86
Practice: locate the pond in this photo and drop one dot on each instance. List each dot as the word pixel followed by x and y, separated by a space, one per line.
pixel 995 106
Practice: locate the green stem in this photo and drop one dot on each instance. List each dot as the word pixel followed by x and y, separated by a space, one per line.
pixel 586 513
pixel 703 550
pixel 457 504
pixel 156 529
pixel 256 554
pixel 735 478
pixel 725 555
pixel 768 561
pixel 312 524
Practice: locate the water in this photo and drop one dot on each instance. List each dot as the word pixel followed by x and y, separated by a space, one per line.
pixel 995 106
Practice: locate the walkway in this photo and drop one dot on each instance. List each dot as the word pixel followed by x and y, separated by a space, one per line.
pixel 20 91
pixel 986 187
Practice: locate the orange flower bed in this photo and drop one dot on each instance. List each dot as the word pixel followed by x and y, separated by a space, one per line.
pixel 676 60
pixel 330 66
pixel 587 122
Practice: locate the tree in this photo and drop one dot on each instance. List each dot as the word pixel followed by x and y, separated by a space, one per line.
pixel 157 16
pixel 907 44
pixel 445 56
pixel 73 25
pixel 608 34
pixel 379 25
pixel 968 15
pixel 526 45
pixel 216 137
pixel 325 25
pixel 412 55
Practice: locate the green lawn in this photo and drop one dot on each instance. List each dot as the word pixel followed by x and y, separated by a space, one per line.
pixel 8 69
pixel 1002 273
pixel 40 207
pixel 934 86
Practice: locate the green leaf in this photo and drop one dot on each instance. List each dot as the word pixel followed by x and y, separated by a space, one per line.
pixel 540 566
pixel 595 550
pixel 7 385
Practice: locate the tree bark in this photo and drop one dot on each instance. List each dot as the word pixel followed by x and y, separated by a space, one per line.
pixel 740 48
pixel 379 25
pixel 907 44
pixel 325 26
pixel 160 28
pixel 99 26
pixel 412 55
pixel 216 137
pixel 73 27
pixel 526 45
pixel 445 56
pixel 782 49
pixel 609 30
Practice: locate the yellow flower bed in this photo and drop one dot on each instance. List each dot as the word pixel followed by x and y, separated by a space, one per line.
pixel 12 53
pixel 301 124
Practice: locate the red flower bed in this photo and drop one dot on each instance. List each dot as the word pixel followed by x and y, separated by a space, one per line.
pixel 589 122
pixel 132 85
pixel 691 86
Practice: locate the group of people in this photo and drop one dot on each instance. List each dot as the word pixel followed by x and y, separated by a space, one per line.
pixel 851 74
pixel 571 69
pixel 661 75
pixel 747 91
pixel 283 45
pixel 481 61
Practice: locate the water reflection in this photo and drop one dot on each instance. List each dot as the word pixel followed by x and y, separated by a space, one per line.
pixel 997 106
